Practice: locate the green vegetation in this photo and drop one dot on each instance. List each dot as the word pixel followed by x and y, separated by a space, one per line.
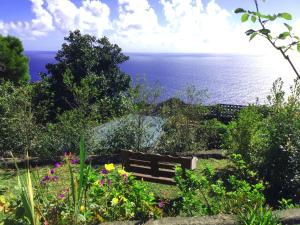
pixel 13 64
pixel 85 96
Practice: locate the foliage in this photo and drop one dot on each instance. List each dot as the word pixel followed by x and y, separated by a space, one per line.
pixel 270 144
pixel 19 130
pixel 185 127
pixel 88 196
pixel 209 195
pixel 283 42
pixel 257 216
pixel 87 62
pixel 13 64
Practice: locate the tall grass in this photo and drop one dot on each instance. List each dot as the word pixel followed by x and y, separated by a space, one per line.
pixel 27 194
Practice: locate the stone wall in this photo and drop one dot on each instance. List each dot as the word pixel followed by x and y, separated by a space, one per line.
pixel 287 217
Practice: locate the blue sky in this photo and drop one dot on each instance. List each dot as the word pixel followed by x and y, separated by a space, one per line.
pixel 140 25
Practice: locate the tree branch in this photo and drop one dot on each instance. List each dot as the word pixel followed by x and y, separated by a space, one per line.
pixel 274 44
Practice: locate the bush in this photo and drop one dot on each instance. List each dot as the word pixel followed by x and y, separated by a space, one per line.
pixel 270 144
pixel 206 194
pixel 19 130
pixel 185 129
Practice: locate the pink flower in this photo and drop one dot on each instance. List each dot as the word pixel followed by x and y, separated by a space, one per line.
pixel 102 182
pixel 161 204
pixel 61 196
pixel 56 165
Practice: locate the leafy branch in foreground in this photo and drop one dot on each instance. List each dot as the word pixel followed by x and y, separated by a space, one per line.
pixel 283 42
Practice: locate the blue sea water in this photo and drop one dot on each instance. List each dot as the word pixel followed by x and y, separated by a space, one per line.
pixel 232 79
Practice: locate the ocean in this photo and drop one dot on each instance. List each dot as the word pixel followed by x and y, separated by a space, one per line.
pixel 229 79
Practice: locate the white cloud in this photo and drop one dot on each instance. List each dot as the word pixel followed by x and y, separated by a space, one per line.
pixel 91 17
pixel 188 26
pixel 39 26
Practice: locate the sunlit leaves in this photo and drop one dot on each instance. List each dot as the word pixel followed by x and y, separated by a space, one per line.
pixel 253 19
pixel 253 36
pixel 286 16
pixel 298 47
pixel 245 17
pixel 284 35
pixel 288 27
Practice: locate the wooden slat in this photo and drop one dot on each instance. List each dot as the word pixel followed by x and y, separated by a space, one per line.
pixel 148 171
pixel 157 157
pixel 154 167
pixel 139 162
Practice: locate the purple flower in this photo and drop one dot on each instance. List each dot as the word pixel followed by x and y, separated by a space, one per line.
pixel 46 178
pixel 61 196
pixel 104 171
pixel 52 171
pixel 74 161
pixel 161 204
pixel 108 182
pixel 56 165
pixel 55 178
pixel 102 182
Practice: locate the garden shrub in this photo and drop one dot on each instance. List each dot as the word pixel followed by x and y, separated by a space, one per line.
pixel 185 129
pixel 270 144
pixel 132 132
pixel 19 130
pixel 206 194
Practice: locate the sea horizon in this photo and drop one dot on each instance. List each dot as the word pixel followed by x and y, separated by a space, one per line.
pixel 229 78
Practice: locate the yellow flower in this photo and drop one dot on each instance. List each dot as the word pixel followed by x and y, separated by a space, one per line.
pixel 3 204
pixel 97 183
pixel 124 199
pixel 114 201
pixel 82 208
pixel 109 167
pixel 122 172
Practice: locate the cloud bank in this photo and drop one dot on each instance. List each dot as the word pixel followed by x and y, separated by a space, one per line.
pixel 189 25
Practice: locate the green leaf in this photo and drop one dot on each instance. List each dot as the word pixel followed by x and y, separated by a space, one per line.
pixel 253 19
pixel 265 31
pixel 245 17
pixel 253 36
pixel 298 47
pixel 286 16
pixel 288 27
pixel 239 10
pixel 249 32
pixel 272 18
pixel 284 35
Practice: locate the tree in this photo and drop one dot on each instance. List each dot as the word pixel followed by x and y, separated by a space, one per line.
pixel 81 57
pixel 13 63
pixel 282 42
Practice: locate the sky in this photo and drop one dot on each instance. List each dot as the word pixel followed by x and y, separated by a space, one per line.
pixel 195 26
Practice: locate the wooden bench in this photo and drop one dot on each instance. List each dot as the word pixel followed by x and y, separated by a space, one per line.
pixel 154 167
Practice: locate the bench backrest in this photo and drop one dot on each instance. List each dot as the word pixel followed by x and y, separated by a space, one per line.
pixel 154 167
